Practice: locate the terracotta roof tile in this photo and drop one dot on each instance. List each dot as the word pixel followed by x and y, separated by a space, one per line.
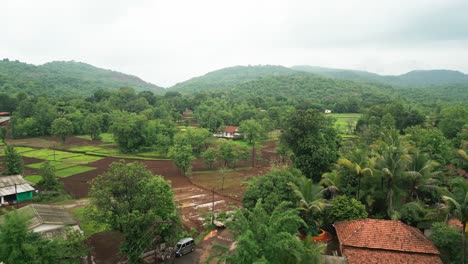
pixel 383 234
pixel 230 129
pixel 359 255
pixel 384 241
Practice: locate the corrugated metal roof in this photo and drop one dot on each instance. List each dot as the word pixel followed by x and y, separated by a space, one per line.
pixel 47 214
pixel 4 119
pixel 7 185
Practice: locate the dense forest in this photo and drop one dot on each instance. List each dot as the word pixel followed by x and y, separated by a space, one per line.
pixel 404 159
pixel 64 78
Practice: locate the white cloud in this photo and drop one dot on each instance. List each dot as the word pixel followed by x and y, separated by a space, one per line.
pixel 169 41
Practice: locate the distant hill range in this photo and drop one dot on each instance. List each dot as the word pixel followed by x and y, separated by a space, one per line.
pixel 233 76
pixel 230 77
pixel 63 77
pixel 413 78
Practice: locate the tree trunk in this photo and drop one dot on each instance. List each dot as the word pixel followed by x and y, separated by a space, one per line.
pixel 358 187
pixel 253 155
pixel 463 242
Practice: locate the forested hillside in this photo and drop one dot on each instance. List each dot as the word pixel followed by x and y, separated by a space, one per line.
pixel 57 78
pixel 306 90
pixel 229 77
pixel 412 79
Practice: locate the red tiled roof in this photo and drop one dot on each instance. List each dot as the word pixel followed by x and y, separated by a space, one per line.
pixel 384 241
pixel 4 113
pixel 230 129
pixel 383 234
pixel 361 255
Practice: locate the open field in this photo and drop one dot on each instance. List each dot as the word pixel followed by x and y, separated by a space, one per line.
pixel 346 121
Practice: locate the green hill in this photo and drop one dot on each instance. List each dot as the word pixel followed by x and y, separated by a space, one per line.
pixel 309 90
pixel 60 77
pixel 229 77
pixel 413 78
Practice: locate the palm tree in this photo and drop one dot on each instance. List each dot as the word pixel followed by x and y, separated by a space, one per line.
pixel 268 238
pixel 310 196
pixel 391 161
pixel 331 181
pixel 422 177
pixel 458 204
pixel 356 168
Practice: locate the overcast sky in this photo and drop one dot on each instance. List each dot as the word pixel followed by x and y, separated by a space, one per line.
pixel 166 42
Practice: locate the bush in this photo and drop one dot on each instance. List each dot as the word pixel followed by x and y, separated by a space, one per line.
pixel 449 242
pixel 344 208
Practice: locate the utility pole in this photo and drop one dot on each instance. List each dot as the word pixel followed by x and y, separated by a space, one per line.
pixel 155 245
pixel 212 207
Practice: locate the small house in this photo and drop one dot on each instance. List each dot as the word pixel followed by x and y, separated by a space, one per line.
pixel 384 241
pixel 49 221
pixel 229 132
pixel 14 189
pixel 328 111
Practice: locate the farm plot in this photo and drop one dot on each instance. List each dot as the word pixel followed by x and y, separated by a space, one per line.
pixel 65 163
pixel 345 122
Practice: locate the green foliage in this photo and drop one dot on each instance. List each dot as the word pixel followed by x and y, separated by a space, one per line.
pixel 13 161
pixel 182 155
pixel 264 237
pixel 61 78
pixel 92 126
pixel 49 181
pixel 344 208
pixel 272 188
pixel 229 77
pixel 130 199
pixel 432 142
pixel 313 140
pixel 448 240
pixel 3 133
pixel 62 127
pixel 210 156
pixel 311 200
pixel 128 131
pixel 230 153
pixel 19 245
pixel 412 213
pixel 452 120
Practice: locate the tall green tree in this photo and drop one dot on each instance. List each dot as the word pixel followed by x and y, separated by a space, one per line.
pixel 62 127
pixel 49 181
pixel 310 197
pixel 391 162
pixel 252 130
pixel 182 156
pixel 448 240
pixel 13 161
pixel 130 200
pixel 92 126
pixel 128 131
pixel 273 188
pixel 452 120
pixel 344 208
pixel 458 203
pixel 313 140
pixel 263 237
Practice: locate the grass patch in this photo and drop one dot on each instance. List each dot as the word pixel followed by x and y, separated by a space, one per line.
pixel 73 171
pixel 58 165
pixel 33 178
pixel 49 154
pixel 345 121
pixel 89 225
pixel 85 149
pixel 84 159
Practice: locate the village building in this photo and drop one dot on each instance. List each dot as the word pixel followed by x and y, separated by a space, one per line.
pixel 384 241
pixel 49 221
pixel 4 118
pixel 328 111
pixel 229 132
pixel 14 189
